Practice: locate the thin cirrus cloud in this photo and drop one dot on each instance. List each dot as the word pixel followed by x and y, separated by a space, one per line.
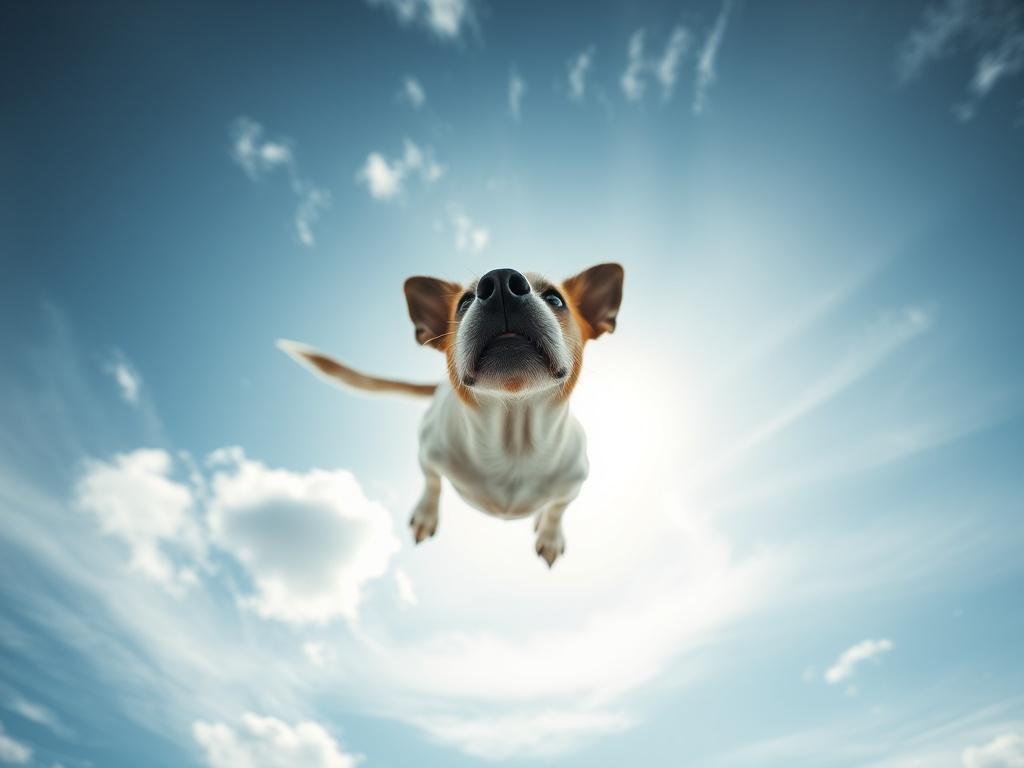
pixel 266 742
pixel 413 92
pixel 446 19
pixel 706 72
pixel 13 751
pixel 516 92
pixel 990 30
pixel 126 377
pixel 854 656
pixel 664 68
pixel 385 178
pixel 260 157
pixel 578 69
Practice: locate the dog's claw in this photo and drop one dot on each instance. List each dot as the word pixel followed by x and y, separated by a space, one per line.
pixel 550 546
pixel 423 524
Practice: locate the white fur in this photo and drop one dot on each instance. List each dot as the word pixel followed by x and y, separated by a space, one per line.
pixel 486 456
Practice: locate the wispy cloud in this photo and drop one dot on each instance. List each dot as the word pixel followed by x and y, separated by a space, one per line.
pixel 516 92
pixel 403 583
pixel 266 742
pixel 13 751
pixel 667 68
pixel 578 70
pixel 38 714
pixel 127 378
pixel 259 157
pixel 706 73
pixel 413 92
pixel 446 19
pixel 1004 751
pixel 991 30
pixel 385 179
pixel 852 657
pixel 632 82
pixel 664 68
pixel 470 236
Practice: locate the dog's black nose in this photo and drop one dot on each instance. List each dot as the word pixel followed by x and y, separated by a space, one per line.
pixel 504 287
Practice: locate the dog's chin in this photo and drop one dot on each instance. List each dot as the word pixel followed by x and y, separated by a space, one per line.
pixel 512 364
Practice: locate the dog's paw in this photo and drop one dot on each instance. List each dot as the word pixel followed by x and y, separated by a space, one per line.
pixel 423 522
pixel 550 544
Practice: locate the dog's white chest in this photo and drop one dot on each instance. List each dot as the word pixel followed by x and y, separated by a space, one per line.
pixel 510 463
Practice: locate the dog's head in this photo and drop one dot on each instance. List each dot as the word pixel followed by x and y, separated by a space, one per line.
pixel 513 334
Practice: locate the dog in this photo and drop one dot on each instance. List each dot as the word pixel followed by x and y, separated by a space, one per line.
pixel 499 428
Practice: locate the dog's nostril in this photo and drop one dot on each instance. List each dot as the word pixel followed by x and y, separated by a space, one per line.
pixel 485 288
pixel 518 284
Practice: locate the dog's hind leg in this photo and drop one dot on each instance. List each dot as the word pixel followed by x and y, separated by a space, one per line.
pixel 424 517
pixel 550 542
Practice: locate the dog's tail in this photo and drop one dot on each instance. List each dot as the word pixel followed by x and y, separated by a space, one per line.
pixel 335 371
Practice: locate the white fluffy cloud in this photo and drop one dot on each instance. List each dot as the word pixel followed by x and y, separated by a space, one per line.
pixel 706 73
pixel 578 69
pixel 265 742
pixel 13 751
pixel 1006 751
pixel 445 18
pixel 413 92
pixel 135 500
pixel 259 157
pixel 310 542
pixel 406 593
pixel 385 178
pixel 844 666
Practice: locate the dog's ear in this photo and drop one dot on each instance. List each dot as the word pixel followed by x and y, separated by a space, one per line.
pixel 596 293
pixel 430 308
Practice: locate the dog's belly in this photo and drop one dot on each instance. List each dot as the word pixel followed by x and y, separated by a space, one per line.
pixel 508 500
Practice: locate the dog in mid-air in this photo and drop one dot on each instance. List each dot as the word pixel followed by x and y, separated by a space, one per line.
pixel 500 428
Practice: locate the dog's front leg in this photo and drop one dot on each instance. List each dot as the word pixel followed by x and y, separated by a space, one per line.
pixel 424 517
pixel 550 542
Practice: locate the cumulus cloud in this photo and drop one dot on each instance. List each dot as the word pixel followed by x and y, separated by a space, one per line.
pixel 516 91
pixel 385 179
pixel 135 500
pixel 991 30
pixel 413 92
pixel 259 157
pixel 706 73
pixel 445 18
pixel 578 69
pixel 1005 751
pixel 852 657
pixel 309 541
pixel 265 742
pixel 13 751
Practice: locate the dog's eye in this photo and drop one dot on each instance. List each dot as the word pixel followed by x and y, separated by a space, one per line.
pixel 552 298
pixel 465 303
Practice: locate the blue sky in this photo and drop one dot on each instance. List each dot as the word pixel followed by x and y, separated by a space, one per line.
pixel 801 540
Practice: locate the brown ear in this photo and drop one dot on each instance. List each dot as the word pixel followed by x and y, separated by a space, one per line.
pixel 430 308
pixel 597 293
